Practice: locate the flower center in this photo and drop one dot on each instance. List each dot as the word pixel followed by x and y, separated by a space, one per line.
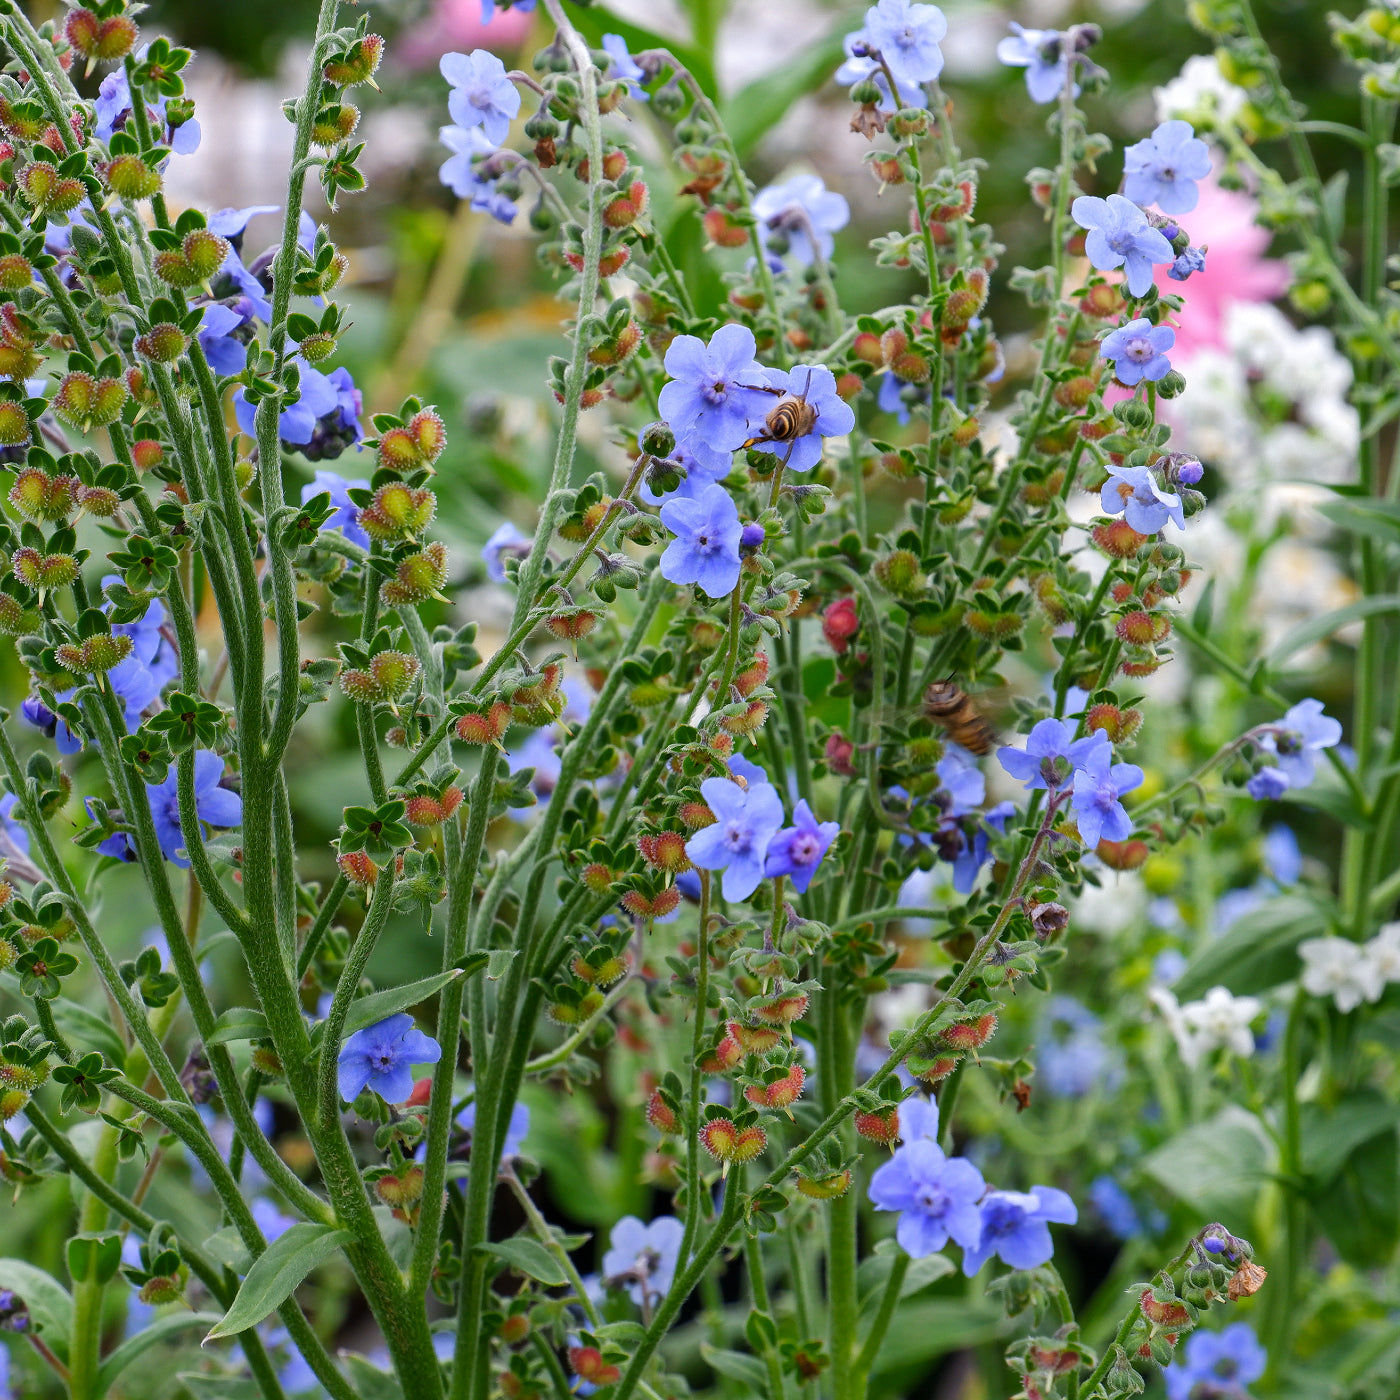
pixel 1289 741
pixel 480 98
pixel 805 849
pixel 933 1199
pixel 1139 349
pixel 716 392
pixel 704 541
pixel 736 836
pixel 1002 1218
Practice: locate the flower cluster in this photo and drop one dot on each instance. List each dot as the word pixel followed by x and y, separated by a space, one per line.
pixel 1348 972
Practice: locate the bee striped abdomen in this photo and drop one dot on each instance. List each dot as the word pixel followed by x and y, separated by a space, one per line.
pixel 950 706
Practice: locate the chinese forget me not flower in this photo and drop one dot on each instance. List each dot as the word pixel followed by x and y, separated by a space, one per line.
pixel 907 36
pixel 1297 739
pixel 644 1257
pixel 507 539
pixel 625 67
pixel 1267 785
pixel 1014 1227
pixel 797 850
pixel 482 94
pixel 1220 1363
pixel 1133 492
pixel 345 517
pixel 715 391
pixel 213 804
pixel 1192 260
pixel 1120 236
pixel 805 213
pixel 706 548
pixel 18 836
pixel 462 174
pixel 1164 168
pixel 1044 56
pixel 1139 351
pixel 859 67
pixel 935 1194
pixel 746 821
pixel 816 386
pixel 1051 754
pixel 381 1057
pixel 113 107
pixel 977 844
pixel 1098 785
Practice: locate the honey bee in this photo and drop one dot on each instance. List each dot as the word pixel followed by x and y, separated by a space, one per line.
pixel 951 707
pixel 791 418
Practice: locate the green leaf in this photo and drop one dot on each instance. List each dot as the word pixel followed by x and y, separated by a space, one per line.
pixel 1218 1166
pixel 755 109
pixel 528 1257
pixel 1360 1210
pixel 370 1382
pixel 275 1273
pixel 378 1006
pixel 1330 1136
pixel 1366 515
pixel 161 1330
pixel 747 1370
pixel 1318 628
pixel 46 1298
pixel 874 1273
pixel 206 1387
pixel 1257 952
pixel 227 1247
pixel 238 1023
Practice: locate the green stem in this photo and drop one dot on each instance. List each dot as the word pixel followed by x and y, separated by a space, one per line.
pixel 889 1301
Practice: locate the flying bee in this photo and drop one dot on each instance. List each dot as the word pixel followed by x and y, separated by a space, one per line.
pixel 791 418
pixel 952 707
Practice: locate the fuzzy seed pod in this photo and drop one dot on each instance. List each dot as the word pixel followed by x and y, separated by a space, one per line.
pixel 422 809
pixel 639 906
pixel 98 501
pixel 163 343
pixel 357 65
pixel 398 511
pixel 47 192
pixel 419 577
pixel 899 574
pixel 749 721
pixel 660 1115
pixel 403 1189
pixel 130 177
pixel 724 1141
pixel 607 972
pixel 334 125
pixel 1120 725
pixel 99 41
pixel 487 728
pixel 970 1035
pixel 782 1010
pixel 16 272
pixel 879 1125
pixel 664 850
pixel 358 868
pixel 572 626
pixel 1123 855
pixel 86 403
pixel 1118 539
pixel 722 230
pixel 627 208
pixel 781 1093
pixel 596 876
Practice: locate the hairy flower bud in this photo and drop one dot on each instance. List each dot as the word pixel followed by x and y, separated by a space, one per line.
pixel 358 868
pixel 879 1125
pixel 727 1143
pixel 1118 538
pixel 664 851
pixel 660 1115
pixel 103 41
pixel 16 272
pixel 130 177
pixel 398 512
pixel 85 402
pixel 163 343
pixel 47 192
pixel 488 727
pixel 781 1093
pixel 418 577
pixel 357 65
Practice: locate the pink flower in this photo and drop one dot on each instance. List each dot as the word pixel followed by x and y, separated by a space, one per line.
pixel 456 25
pixel 1235 270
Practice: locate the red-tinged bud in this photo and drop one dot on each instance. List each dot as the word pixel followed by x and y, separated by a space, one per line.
pixel 869 348
pixel 1123 855
pixel 723 1140
pixel 402 1189
pixel 840 622
pixel 98 501
pixel 781 1093
pixel 398 512
pixel 597 877
pixel 696 815
pixel 888 170
pixel 752 676
pixel 515 1329
pixel 358 868
pixel 840 753
pixel 911 367
pixel 1118 539
pixel 722 230
pixel 130 177
pixel 825 1188
pixel 1102 303
pixel 753 1040
pixel 486 728
pixel 100 41
pixel 588 1365
pixel 86 403
pixel 16 272
pixel 879 1125
pixel 335 124
pixel 357 64
pixel 422 1093
pixel 934 1070
pixel 782 1010
pixel 422 809
pixel 1143 628
pixel 950 213
pixel 970 1035
pixel 419 577
pixel 723 1057
pixel 1162 1312
pixel 164 343
pixel 1076 392
pixel 47 192
pixel 640 907
pixel 749 721
pixel 660 1115
pixel 664 850
pixel 1119 725
pixel 571 626
pixel 627 208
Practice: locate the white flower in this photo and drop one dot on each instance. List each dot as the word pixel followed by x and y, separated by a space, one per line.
pixel 1340 969
pixel 1199 87
pixel 1383 953
pixel 1221 1020
pixel 1167 1004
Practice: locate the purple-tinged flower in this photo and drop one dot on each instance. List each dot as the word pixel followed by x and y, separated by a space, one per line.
pixel 705 551
pixel 1120 236
pixel 489 8
pixel 234 277
pixel 1098 784
pixel 212 803
pixel 936 1194
pixel 1298 737
pixel 804 213
pixel 1163 168
pixel 461 172
pixel 1045 57
pixel 269 1219
pixel 1115 1207
pixel 977 844
pixel 1071 1057
pixel 907 36
pixel 1015 1227
pixel 1267 785
pixel 1139 351
pixel 1133 492
pixel 1188 473
pixel 381 1057
pixel 1051 755
pixel 859 67
pixel 625 68
pixel 816 385
pixel 1192 260
pixel 507 540
pixel 961 784
pixel 482 93
pixel 643 1257
pixel 516 1129
pixel 221 335
pixel 113 108
pixel 714 393
pixel 697 477
pixel 345 517
pixel 17 835
pixel 322 422
pixel 797 850
pixel 897 395
pixel 1217 1364
pixel 746 821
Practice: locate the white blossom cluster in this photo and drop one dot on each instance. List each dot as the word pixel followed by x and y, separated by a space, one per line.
pixel 1218 1021
pixel 1348 972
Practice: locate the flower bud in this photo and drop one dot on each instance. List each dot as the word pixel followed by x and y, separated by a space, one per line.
pixel 726 1143
pixel 1133 413
pixel 398 512
pixel 358 868
pixel 485 728
pixel 85 402
pixel 898 573
pixel 14 424
pixel 419 577
pixel 147 453
pixel 130 177
pixel 641 906
pixel 47 192
pixel 357 64
pixel 660 1115
pixel 163 343
pixel 16 272
pixel 97 40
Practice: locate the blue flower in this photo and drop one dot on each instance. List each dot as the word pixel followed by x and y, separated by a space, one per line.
pixel 1298 737
pixel 381 1057
pixel 113 106
pixel 212 803
pixel 1051 754
pixel 345 517
pixel 1163 168
pixel 1115 1207
pixel 804 213
pixel 705 551
pixel 961 784
pixel 895 396
pixel 1044 56
pixel 834 416
pixel 1192 260
pixel 269 1219
pixel 1120 236
pixel 859 67
pixel 462 174
pixel 976 833
pixel 624 67
pixel 714 393
pixel 745 822
pixel 17 835
pixel 516 1129
pixel 482 93
pixel 1282 857
pixel 1070 1055
pixel 1098 784
pixel 746 769
pixel 1133 492
pixel 697 477
pixel 1220 1363
pixel 322 422
pixel 936 1194
pixel 488 8
pixel 644 1257
pixel 507 539
pixel 1267 785
pixel 232 224
pixel 221 335
pixel 1139 351
pixel 907 36
pixel 1015 1228
pixel 797 850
